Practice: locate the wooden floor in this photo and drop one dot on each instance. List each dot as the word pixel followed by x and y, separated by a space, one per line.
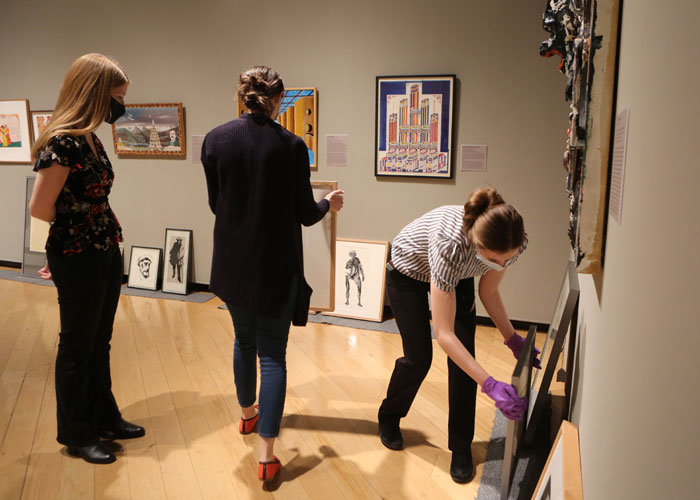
pixel 171 369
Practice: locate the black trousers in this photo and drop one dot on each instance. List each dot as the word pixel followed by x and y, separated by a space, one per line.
pixel 409 303
pixel 88 287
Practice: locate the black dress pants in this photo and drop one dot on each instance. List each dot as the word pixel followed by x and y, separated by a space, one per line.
pixel 409 303
pixel 88 287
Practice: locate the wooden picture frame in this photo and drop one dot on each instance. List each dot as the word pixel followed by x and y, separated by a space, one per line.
pixel 319 252
pixel 360 269
pixel 561 476
pixel 151 131
pixel 144 267
pixel 40 119
pixel 298 114
pixel 36 232
pixel 176 260
pixel 414 119
pixel 15 132
pixel 553 345
pixel 516 428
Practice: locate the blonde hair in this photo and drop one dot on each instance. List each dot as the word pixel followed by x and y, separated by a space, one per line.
pixel 258 86
pixel 491 223
pixel 83 101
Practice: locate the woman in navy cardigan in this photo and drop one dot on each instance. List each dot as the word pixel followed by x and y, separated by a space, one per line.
pixel 258 180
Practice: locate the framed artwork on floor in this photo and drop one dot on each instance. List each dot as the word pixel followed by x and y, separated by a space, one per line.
pixel 414 126
pixel 151 130
pixel 561 476
pixel 553 345
pixel 40 119
pixel 319 252
pixel 144 265
pixel 176 261
pixel 298 114
pixel 15 132
pixel 516 428
pixel 360 267
pixel 36 232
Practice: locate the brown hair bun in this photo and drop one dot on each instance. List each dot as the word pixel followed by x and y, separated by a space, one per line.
pixel 491 223
pixel 257 88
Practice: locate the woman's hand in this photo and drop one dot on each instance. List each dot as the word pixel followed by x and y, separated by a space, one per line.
pixel 335 198
pixel 45 272
pixel 515 344
pixel 506 398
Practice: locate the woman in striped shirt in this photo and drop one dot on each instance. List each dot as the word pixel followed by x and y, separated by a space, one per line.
pixel 440 253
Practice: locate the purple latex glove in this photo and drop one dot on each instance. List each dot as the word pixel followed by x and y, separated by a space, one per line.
pixel 516 343
pixel 506 398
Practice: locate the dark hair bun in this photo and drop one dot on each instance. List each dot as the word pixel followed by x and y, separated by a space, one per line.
pixel 479 202
pixel 258 86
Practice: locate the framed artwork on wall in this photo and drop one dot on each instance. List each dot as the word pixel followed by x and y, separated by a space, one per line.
pixel 151 131
pixel 360 267
pixel 414 126
pixel 15 132
pixel 298 114
pixel 553 345
pixel 516 428
pixel 144 265
pixel 319 252
pixel 176 261
pixel 40 119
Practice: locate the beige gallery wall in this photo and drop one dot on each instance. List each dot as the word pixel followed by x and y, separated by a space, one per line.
pixel 191 52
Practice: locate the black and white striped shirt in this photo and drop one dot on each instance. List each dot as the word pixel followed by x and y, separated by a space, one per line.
pixel 434 246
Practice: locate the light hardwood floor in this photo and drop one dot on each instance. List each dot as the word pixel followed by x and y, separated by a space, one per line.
pixel 171 369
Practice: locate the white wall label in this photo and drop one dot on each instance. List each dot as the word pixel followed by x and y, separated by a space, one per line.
pixel 196 147
pixel 337 150
pixel 617 177
pixel 474 157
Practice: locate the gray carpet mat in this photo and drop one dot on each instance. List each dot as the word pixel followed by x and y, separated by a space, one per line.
pixel 198 297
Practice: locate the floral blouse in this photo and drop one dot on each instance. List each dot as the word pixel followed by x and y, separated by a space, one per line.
pixel 84 219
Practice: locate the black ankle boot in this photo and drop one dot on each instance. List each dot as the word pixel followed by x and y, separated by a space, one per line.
pixel 462 467
pixel 390 434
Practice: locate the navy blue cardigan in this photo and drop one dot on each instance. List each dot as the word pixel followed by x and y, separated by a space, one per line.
pixel 258 181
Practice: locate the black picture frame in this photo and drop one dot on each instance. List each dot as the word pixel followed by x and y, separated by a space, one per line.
pixel 141 270
pixel 405 148
pixel 515 429
pixel 177 279
pixel 553 345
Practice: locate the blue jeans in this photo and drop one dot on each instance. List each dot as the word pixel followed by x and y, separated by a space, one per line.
pixel 264 337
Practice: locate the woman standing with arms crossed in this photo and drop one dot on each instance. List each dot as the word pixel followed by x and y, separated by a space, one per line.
pixel 74 178
pixel 440 253
pixel 258 181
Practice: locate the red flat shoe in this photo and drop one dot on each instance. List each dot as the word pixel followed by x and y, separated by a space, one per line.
pixel 247 425
pixel 267 471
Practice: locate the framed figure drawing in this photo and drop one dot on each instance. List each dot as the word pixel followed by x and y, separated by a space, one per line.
pixel 414 125
pixel 553 345
pixel 40 119
pixel 516 428
pixel 151 130
pixel 176 261
pixel 298 114
pixel 360 266
pixel 15 132
pixel 144 265
pixel 319 252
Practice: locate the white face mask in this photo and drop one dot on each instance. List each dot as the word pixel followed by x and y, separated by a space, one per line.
pixel 492 265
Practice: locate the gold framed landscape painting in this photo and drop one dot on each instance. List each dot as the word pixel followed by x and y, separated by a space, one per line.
pixel 15 132
pixel 150 131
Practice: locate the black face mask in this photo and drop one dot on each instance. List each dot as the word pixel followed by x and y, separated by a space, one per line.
pixel 116 109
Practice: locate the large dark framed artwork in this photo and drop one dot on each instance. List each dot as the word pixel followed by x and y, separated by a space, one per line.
pixel 553 345
pixel 151 131
pixel 584 33
pixel 176 260
pixel 414 126
pixel 516 428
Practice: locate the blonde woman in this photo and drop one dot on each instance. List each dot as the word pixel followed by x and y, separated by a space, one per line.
pixel 440 253
pixel 74 178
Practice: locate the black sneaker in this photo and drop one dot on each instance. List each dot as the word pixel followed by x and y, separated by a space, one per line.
pixel 390 434
pixel 462 467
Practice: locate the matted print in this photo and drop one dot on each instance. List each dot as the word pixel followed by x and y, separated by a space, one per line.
pixel 319 252
pixel 298 114
pixel 152 130
pixel 15 132
pixel 176 262
pixel 414 126
pixel 360 267
pixel 144 265
pixel 40 119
